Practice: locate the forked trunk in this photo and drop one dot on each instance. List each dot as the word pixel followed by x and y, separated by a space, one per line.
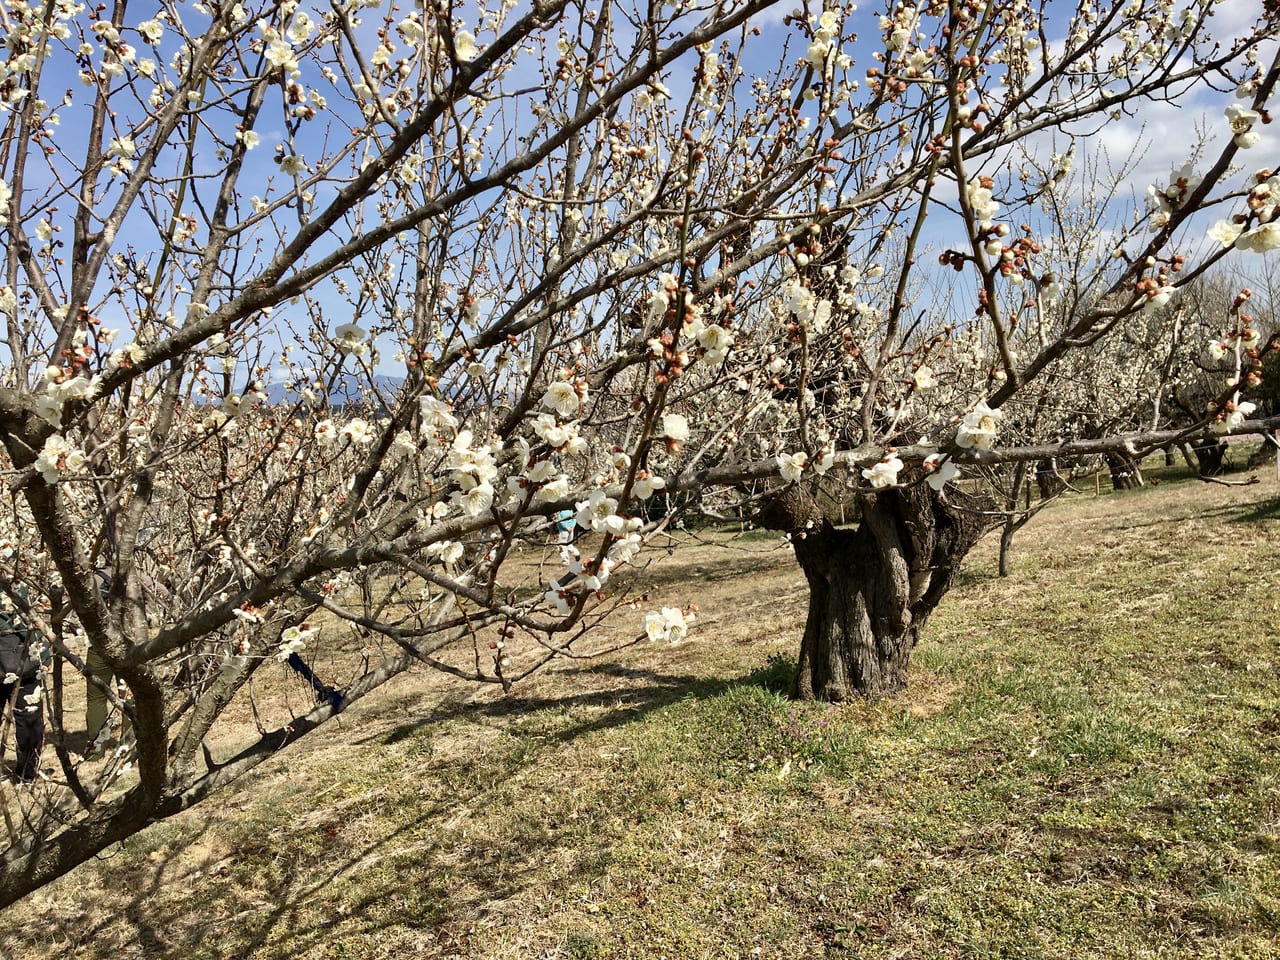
pixel 871 590
pixel 1126 474
pixel 1210 454
pixel 1048 479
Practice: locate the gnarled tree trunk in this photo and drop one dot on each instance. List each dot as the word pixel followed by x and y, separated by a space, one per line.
pixel 872 589
pixel 1048 479
pixel 1262 456
pixel 1210 453
pixel 1126 473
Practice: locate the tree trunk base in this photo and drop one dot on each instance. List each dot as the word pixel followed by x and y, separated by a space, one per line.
pixel 1126 474
pixel 872 589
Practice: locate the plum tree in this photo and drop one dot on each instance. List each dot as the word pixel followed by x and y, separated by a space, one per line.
pixel 312 314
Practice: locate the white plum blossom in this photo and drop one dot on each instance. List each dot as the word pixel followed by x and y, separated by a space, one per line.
pixel 559 598
pixel 625 549
pixel 939 471
pixel 799 299
pixel 1241 120
pixel 301 28
pixel 57 458
pixel 660 299
pixel 562 397
pixel 595 511
pixel 294 639
pixel 539 473
pixel 670 624
pixel 216 420
pixel 1225 232
pixel 122 147
pixel 979 427
pixel 32 699
pixel 1162 201
pixel 693 326
pixel 359 432
pixel 826 457
pixel 350 338
pixel 646 486
pixel 675 427
pixel 470 462
pixel 151 30
pixel 60 389
pixel 326 432
pixel 924 378
pixel 474 498
pixel 791 465
pixel 436 414
pixel 620 526
pixel 464 42
pixel 448 552
pixel 978 192
pixel 279 53
pixel 1160 298
pixel 404 443
pixel 555 435
pixel 1050 288
pixel 1234 417
pixel 823 39
pixel 1260 239
pixel 885 473
pixel 1264 198
pixel 716 340
pixel 553 490
pixel 411 29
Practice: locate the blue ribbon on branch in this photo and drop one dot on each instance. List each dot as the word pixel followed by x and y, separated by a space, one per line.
pixel 323 691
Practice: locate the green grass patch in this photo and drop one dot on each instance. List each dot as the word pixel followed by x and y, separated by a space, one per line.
pixel 1086 765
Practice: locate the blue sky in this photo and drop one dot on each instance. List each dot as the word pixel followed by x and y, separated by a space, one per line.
pixel 1164 130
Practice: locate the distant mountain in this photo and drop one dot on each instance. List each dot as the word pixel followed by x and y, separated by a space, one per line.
pixel 346 391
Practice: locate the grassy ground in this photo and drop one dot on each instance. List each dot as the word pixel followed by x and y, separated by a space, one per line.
pixel 1087 764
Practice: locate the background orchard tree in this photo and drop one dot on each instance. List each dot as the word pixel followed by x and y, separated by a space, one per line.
pixel 314 313
pixel 873 589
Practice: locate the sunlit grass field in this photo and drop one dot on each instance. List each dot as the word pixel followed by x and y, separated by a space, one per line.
pixel 1087 764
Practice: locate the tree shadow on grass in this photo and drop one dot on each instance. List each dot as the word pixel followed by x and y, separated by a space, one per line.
pixel 623 704
pixel 716 563
pixel 93 932
pixel 294 885
pixel 1264 510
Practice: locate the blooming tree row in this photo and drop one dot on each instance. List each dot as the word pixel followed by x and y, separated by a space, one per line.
pixel 315 315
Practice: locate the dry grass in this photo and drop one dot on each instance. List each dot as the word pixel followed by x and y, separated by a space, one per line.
pixel 1086 765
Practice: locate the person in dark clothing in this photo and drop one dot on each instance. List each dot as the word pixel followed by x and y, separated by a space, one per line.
pixel 20 690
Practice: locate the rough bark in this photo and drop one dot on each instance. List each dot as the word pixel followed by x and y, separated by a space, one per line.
pixel 1262 456
pixel 1048 479
pixel 1007 533
pixel 1125 473
pixel 1210 454
pixel 872 589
